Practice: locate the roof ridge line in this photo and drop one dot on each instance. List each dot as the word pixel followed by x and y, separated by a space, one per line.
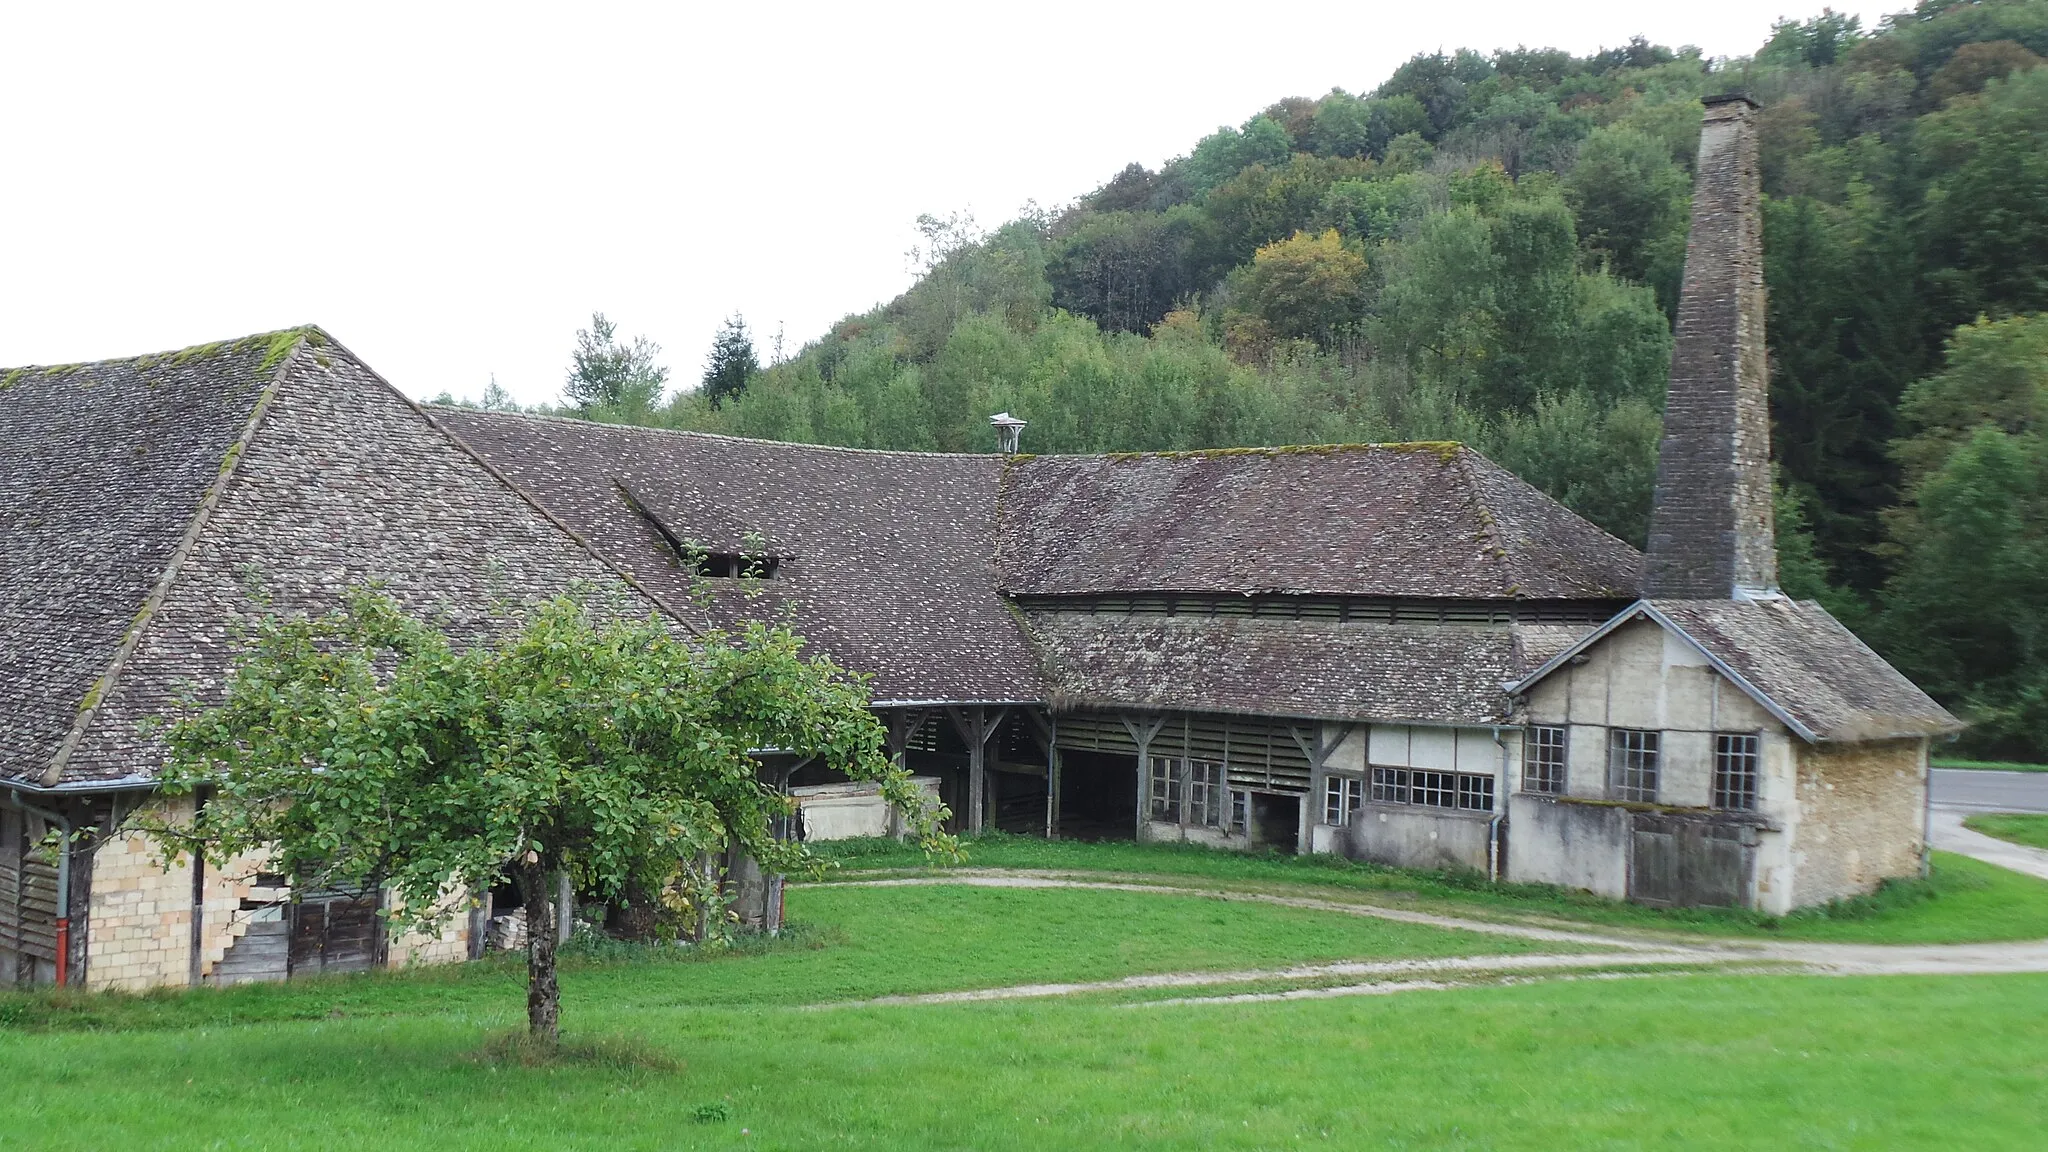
pixel 247 342
pixel 1489 523
pixel 195 527
pixel 692 433
pixel 1448 449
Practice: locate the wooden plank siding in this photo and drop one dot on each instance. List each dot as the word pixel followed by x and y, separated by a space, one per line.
pixel 1258 753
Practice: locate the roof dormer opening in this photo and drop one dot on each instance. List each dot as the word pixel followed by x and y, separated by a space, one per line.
pixel 736 566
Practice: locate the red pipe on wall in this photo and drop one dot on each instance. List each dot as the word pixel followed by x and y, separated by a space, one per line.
pixel 63 950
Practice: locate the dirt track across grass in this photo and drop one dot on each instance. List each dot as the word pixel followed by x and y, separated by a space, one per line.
pixel 1604 952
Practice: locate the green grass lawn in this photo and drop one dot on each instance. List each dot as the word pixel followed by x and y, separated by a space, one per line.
pixel 1963 901
pixel 2029 828
pixel 1692 1061
pixel 1991 765
pixel 849 943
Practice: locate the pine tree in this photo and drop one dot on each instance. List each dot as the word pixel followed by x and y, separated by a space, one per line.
pixel 731 362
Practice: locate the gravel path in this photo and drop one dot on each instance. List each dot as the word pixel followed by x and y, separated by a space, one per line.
pixel 1614 952
pixel 1946 832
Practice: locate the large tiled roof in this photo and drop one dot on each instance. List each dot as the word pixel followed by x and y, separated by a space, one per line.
pixel 1797 661
pixel 1435 520
pixel 1427 673
pixel 102 468
pixel 154 492
pixel 888 557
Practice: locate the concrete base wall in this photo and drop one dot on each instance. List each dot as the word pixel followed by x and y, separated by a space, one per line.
pixel 847 811
pixel 1408 837
pixel 1570 845
pixel 1161 832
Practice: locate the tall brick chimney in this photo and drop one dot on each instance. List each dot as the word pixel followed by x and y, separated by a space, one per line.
pixel 1710 528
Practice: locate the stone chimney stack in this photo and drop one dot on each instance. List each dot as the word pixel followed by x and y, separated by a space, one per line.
pixel 1710 528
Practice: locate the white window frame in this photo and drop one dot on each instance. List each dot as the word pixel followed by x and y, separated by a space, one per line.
pixel 1165 789
pixel 1343 794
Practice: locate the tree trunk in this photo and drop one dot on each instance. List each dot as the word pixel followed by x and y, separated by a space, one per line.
pixel 543 994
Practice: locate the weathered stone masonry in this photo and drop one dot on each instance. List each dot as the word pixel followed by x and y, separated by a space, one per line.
pixel 1711 526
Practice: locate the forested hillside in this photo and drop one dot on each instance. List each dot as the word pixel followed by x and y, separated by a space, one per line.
pixel 1487 248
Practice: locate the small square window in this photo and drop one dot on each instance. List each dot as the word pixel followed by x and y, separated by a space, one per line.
pixel 1632 764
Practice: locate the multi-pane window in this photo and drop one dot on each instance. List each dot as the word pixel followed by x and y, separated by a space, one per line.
pixel 1735 772
pixel 1206 797
pixel 1543 760
pixel 1241 813
pixel 1632 764
pixel 1475 793
pixel 1463 791
pixel 1166 789
pixel 1342 796
pixel 1390 785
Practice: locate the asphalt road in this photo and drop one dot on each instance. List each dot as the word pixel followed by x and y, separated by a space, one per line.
pixel 1977 791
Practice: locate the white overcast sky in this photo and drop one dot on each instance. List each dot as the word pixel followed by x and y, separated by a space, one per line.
pixel 452 189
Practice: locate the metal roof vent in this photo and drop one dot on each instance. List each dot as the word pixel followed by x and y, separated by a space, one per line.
pixel 1008 428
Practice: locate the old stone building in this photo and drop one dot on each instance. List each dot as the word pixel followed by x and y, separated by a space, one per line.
pixel 1396 652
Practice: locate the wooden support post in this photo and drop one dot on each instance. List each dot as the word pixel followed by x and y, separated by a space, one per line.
pixel 1141 735
pixel 1052 793
pixel 976 725
pixel 977 772
pixel 1317 745
pixel 1045 730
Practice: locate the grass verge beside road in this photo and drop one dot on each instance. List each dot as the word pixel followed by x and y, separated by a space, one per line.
pixel 1962 901
pixel 1991 765
pixel 2028 828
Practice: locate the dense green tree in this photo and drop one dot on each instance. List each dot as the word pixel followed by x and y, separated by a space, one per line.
pixel 1816 43
pixel 1976 65
pixel 1441 84
pixel 1844 329
pixel 1987 205
pixel 1262 204
pixel 1126 269
pixel 607 375
pixel 1373 210
pixel 1996 376
pixel 1309 286
pixel 1629 198
pixel 731 361
pixel 1228 151
pixel 1967 613
pixel 365 748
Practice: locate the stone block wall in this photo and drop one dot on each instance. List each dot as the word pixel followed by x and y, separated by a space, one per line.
pixel 139 928
pixel 446 943
pixel 1862 817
